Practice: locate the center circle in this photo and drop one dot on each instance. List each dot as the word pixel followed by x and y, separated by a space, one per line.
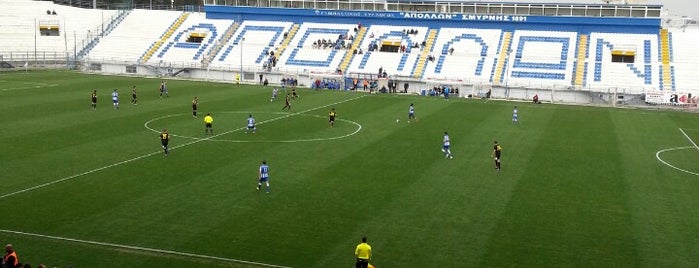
pixel 658 153
pixel 279 116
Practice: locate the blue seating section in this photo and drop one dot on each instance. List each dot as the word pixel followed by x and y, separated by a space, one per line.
pixel 475 38
pixel 646 49
pixel 262 55
pixel 536 75
pixel 315 63
pixel 179 43
pixel 537 65
pixel 672 77
pixel 277 30
pixel 646 74
pixel 598 58
pixel 671 49
pixel 403 59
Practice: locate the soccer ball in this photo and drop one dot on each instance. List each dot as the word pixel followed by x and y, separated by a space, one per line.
pixel 397 120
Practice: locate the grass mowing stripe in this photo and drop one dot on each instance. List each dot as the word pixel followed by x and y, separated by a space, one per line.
pixel 153 250
pixel 565 215
pixel 173 148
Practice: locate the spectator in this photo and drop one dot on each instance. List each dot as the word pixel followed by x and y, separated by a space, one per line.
pixel 10 260
pixel 48 12
pixel 384 75
pixel 371 35
pixel 261 78
pixel 535 99
pixel 266 82
pixel 380 70
pixel 361 51
pixel 405 87
pixel 53 13
pixel 451 51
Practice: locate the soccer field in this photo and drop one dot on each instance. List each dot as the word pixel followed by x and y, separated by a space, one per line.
pixel 579 186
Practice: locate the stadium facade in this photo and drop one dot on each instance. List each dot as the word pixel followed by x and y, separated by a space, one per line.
pixel 582 53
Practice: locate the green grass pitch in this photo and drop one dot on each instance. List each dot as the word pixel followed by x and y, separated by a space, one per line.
pixel 580 186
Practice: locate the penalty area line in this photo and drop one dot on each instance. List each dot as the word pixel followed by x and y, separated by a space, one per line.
pixel 136 248
pixel 159 152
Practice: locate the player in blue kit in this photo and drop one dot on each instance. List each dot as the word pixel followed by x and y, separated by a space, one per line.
pixel 411 113
pixel 515 120
pixel 263 176
pixel 115 99
pixel 251 124
pixel 275 91
pixel 446 145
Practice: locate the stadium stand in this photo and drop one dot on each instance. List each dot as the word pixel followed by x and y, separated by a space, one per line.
pixel 373 59
pixel 130 40
pixel 254 41
pixel 637 75
pixel 307 53
pixel 191 39
pixel 472 55
pixel 542 55
pixel 26 24
pixel 684 58
pixel 572 51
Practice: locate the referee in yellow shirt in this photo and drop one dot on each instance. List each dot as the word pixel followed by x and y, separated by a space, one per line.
pixel 208 120
pixel 363 254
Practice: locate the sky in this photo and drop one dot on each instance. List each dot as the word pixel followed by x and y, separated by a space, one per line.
pixel 689 8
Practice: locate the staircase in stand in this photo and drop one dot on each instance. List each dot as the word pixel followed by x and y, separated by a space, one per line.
pixel 170 31
pixel 665 59
pixel 286 41
pixel 355 45
pixel 422 61
pixel 580 63
pixel 502 58
pixel 221 43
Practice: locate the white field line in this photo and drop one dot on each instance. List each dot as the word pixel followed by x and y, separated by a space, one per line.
pixel 159 152
pixel 359 127
pixel 658 153
pixel 30 85
pixel 153 250
pixel 690 139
